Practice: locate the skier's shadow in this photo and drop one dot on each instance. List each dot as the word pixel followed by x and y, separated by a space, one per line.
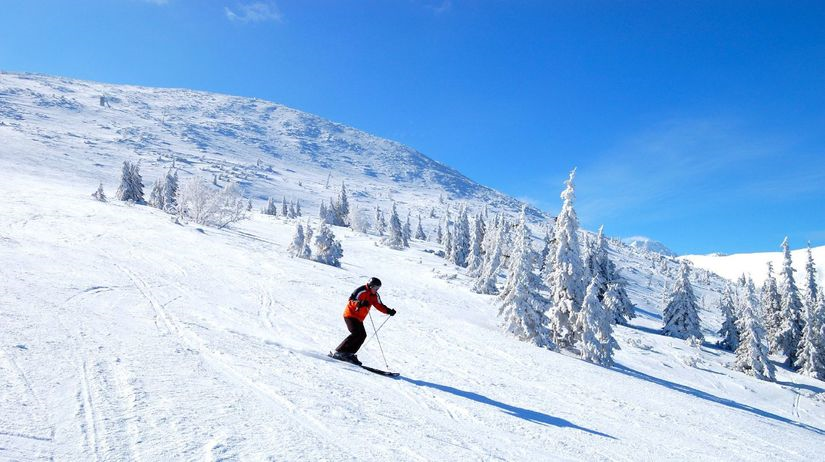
pixel 521 413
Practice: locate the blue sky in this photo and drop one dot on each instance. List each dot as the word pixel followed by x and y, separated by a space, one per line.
pixel 700 124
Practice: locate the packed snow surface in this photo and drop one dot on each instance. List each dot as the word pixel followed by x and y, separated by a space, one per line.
pixel 127 336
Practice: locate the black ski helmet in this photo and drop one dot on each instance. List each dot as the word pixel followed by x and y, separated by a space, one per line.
pixel 374 282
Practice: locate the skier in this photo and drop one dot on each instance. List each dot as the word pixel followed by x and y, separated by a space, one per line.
pixel 358 307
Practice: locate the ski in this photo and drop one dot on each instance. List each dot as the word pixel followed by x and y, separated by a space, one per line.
pixel 371 369
pixel 380 372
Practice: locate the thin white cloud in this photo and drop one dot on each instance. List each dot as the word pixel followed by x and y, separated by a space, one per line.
pixel 254 12
pixel 649 175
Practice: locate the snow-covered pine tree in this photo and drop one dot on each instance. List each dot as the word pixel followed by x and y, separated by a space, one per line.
pixel 357 221
pixel 522 308
pixel 322 211
pixel 790 329
pixel 131 184
pixel 271 208
pixel 597 342
pixel 326 249
pixel 565 277
pixel 809 287
pixel 752 353
pixel 772 306
pixel 292 213
pixel 448 243
pixel 487 279
pixel 395 238
pixel 99 194
pixel 419 231
pixel 728 333
pixel 308 233
pixel 298 208
pixel 476 261
pixel 810 355
pixel 407 231
pixel 298 247
pixel 439 234
pixel 546 248
pixel 342 207
pixel 681 315
pixel 170 191
pixel 461 239
pixel 156 198
pixel 249 204
pixel 380 222
pixel 285 208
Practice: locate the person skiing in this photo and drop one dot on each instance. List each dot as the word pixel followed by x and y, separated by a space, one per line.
pixel 358 307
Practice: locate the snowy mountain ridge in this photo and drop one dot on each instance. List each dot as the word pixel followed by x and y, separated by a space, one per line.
pixel 127 336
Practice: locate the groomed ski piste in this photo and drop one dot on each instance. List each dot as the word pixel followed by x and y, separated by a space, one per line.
pixel 127 336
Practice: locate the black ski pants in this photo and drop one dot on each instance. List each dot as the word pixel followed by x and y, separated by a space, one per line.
pixel 356 337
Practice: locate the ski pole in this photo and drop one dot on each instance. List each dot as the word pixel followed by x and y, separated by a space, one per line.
pixel 375 334
pixel 379 328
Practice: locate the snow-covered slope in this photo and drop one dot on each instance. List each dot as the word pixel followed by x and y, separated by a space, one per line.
pixel 756 264
pixel 124 336
pixel 269 149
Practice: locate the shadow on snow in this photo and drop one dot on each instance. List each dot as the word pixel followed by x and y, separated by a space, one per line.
pixel 521 413
pixel 713 398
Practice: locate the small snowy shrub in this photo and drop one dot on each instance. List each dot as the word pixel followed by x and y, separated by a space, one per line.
pixel 205 205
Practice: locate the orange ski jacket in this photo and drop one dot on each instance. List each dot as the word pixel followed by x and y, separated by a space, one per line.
pixel 360 302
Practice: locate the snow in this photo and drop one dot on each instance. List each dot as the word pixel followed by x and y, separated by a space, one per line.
pixel 756 264
pixel 126 336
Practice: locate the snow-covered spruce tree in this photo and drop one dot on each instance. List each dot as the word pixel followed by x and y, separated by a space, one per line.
pixel 205 205
pixel 156 196
pixel 461 239
pixel 298 208
pixel 809 287
pixel 476 261
pixel 597 342
pixel 395 238
pixel 771 303
pixel 448 243
pixel 546 248
pixel 99 194
pixel 487 279
pixel 810 355
pixel 380 222
pixel 131 184
pixel 407 231
pixel 170 191
pixel 439 234
pixel 728 333
pixel 789 332
pixel 357 220
pixel 342 208
pixel 298 247
pixel 752 353
pixel 271 207
pixel 522 308
pixel 285 208
pixel 419 231
pixel 565 276
pixel 325 248
pixel 681 315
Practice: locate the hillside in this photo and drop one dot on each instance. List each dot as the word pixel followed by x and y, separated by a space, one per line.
pixel 126 336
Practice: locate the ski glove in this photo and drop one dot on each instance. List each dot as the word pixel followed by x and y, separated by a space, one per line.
pixel 390 311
